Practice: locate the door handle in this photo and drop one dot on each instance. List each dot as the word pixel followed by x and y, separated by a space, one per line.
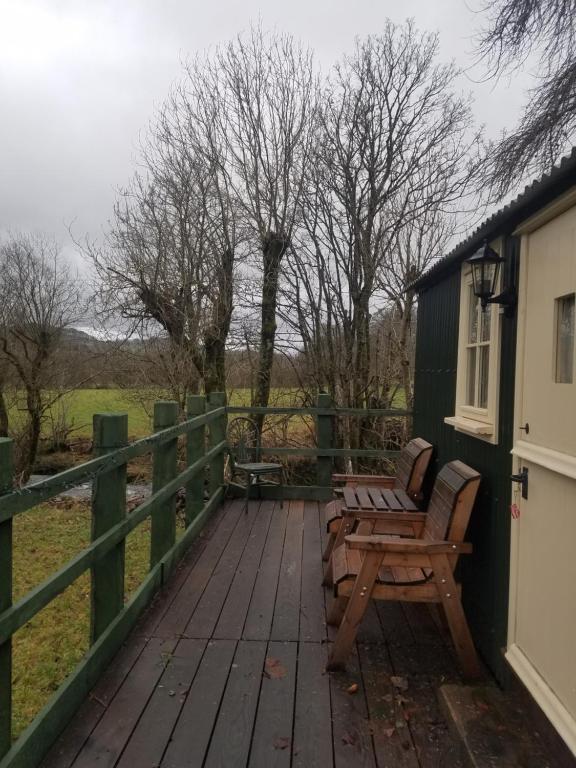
pixel 522 478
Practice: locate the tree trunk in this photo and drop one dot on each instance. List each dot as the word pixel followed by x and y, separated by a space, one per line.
pixel 215 339
pixel 273 249
pixel 4 424
pixel 29 450
pixel 405 362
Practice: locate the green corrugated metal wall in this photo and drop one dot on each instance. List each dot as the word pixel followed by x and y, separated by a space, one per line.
pixel 485 572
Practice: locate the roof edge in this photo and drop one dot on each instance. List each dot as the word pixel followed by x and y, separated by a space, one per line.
pixel 535 196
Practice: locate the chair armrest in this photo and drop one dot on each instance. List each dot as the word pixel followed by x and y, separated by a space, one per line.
pixel 377 543
pixel 375 481
pixel 380 514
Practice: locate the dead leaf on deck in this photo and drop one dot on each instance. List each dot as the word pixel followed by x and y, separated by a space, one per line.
pixel 281 742
pixel 399 682
pixel 389 732
pixel 352 688
pixel 274 669
pixel 349 738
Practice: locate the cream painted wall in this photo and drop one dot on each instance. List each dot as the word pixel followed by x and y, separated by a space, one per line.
pixel 542 624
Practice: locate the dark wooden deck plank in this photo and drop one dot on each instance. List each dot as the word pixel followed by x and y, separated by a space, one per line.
pixel 258 577
pixel 151 735
pixel 312 744
pixel 178 614
pixel 272 739
pixel 233 615
pixel 351 731
pixel 67 747
pixel 261 609
pixel 286 622
pixel 110 736
pixel 312 615
pixel 208 608
pixel 393 622
pixel 162 602
pixel 424 668
pixel 191 736
pixel 230 742
pixel 392 738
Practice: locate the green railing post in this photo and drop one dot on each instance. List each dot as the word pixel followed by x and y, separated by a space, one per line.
pixel 6 469
pixel 217 432
pixel 110 431
pixel 195 449
pixel 324 438
pixel 165 467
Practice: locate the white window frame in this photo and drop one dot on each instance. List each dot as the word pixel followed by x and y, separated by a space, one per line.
pixel 480 422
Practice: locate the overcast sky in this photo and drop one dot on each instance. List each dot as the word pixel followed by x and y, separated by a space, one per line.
pixel 80 79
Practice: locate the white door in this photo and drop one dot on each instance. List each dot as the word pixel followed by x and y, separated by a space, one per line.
pixel 542 626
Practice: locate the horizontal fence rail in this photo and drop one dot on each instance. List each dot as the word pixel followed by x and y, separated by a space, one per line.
pixel 111 619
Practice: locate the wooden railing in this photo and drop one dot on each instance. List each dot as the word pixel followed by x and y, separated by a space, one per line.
pixel 110 617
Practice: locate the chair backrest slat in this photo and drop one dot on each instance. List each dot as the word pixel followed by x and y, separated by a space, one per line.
pixel 451 502
pixel 412 465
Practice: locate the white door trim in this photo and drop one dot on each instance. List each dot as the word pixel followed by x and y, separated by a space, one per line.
pixel 563 463
pixel 544 696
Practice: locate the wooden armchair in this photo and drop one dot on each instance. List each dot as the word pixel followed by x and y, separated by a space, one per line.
pixel 386 567
pixel 411 470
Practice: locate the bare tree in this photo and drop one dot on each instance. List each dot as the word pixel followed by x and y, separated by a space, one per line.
pixel 514 30
pixel 168 264
pixel 394 150
pixel 269 89
pixel 414 249
pixel 39 300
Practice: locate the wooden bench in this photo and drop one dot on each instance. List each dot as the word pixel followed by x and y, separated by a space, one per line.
pixel 386 567
pixel 398 492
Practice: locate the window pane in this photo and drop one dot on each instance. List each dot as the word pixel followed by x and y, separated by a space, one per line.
pixel 485 321
pixel 565 339
pixel 484 364
pixel 472 317
pixel 471 380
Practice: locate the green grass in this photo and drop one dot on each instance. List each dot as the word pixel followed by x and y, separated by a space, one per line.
pixel 50 646
pixel 81 405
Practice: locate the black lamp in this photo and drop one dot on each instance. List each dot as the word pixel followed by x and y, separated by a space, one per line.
pixel 485 265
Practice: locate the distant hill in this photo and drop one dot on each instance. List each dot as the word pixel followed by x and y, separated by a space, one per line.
pixel 78 336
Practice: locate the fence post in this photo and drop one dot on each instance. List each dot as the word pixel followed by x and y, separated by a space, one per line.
pixel 324 440
pixel 6 469
pixel 110 431
pixel 217 432
pixel 195 449
pixel 165 466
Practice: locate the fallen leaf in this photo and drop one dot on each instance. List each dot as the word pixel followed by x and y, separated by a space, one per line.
pixel 399 682
pixel 349 738
pixel 171 693
pixel 352 688
pixel 281 742
pixel 389 732
pixel 274 669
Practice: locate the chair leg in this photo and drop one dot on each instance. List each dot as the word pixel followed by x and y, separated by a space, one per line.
pixel 346 527
pixel 247 499
pixel 456 618
pixel 355 610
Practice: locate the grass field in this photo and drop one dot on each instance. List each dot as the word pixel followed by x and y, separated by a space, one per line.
pixel 81 405
pixel 49 646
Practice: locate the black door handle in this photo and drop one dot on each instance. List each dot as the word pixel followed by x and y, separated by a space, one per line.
pixel 522 478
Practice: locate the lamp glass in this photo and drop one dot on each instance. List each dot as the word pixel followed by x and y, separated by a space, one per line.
pixel 485 267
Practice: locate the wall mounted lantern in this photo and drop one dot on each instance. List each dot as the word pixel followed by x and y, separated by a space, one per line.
pixel 485 265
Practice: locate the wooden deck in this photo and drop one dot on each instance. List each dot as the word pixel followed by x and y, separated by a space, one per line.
pixel 227 666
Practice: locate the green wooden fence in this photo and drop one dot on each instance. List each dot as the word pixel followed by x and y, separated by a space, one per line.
pixel 110 617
